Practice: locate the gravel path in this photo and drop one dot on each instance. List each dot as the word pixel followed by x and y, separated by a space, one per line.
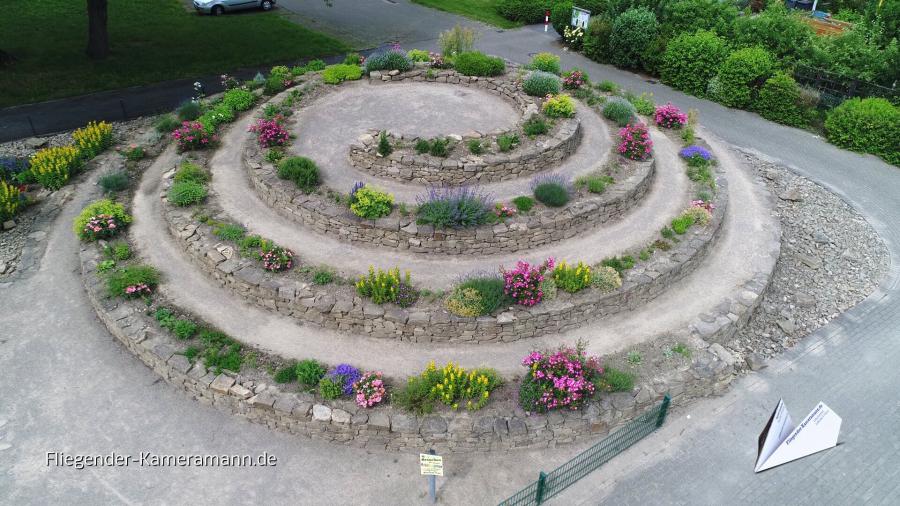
pixel 667 197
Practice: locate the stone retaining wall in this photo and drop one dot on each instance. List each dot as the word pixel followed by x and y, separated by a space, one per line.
pixel 520 233
pixel 345 311
pixel 404 164
pixel 501 427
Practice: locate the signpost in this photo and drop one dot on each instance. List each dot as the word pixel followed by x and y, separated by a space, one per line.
pixel 780 442
pixel 580 18
pixel 431 465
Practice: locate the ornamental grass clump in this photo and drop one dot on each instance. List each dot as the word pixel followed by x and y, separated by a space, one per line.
pixel 523 283
pixel 669 116
pixel 270 132
pixel 619 110
pixel 635 142
pixel 572 278
pixel 382 286
pixel 52 167
pixel 540 84
pixel 559 106
pixel 193 135
pixel 551 190
pixel 369 389
pixel 453 207
pixel 9 200
pixel 391 59
pixel 562 379
pixel 104 208
pixel 93 139
pixel 301 170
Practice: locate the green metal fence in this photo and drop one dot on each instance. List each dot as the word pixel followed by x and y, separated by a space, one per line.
pixel 554 482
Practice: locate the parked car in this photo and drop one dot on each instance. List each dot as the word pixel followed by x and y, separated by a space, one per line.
pixel 218 7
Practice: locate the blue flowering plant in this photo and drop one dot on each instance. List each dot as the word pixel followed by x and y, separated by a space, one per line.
pixel 344 375
pixel 692 153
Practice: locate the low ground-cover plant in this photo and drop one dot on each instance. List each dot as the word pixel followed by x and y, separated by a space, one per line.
pixel 643 103
pixel 699 162
pixel 594 183
pixel 132 281
pixel 453 207
pixel 336 74
pixel 551 190
pixel 475 146
pixel 523 283
pixel 606 278
pixel 523 203
pixel 301 170
pixel 109 210
pixel 559 106
pixel 114 181
pixel 187 193
pixel 561 379
pixel 371 203
pixel 635 142
pixel 540 84
pixel 614 380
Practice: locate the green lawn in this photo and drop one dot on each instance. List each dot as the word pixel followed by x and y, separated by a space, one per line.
pixel 149 42
pixel 479 10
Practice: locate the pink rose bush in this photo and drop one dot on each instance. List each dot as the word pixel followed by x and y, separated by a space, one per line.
pixel 669 116
pixel 635 142
pixel 369 389
pixel 192 135
pixel 270 132
pixel 563 379
pixel 523 283
pixel 101 226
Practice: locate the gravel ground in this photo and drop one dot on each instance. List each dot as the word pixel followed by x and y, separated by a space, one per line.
pixel 831 259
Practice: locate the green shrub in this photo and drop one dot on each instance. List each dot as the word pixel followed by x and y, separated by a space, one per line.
pixel 186 193
pixel 561 16
pixel 191 172
pixel 238 99
pixel 371 203
pixel 596 38
pixel 572 278
pixel 545 62
pixel 477 296
pixel 301 170
pixel 779 101
pixel 619 264
pixel 189 111
pixel 691 60
pixel 323 276
pixel 506 142
pixel 423 146
pixel 112 182
pixel 274 85
pixel 415 396
pixel 614 380
pixel 388 60
pixel 559 106
pixel 475 147
pixel 689 16
pixel 551 194
pixel 353 59
pixel 309 372
pixel 418 55
pixel 103 206
pixel 525 11
pixel 120 279
pixel 335 74
pixel 782 33
pixel 682 223
pixel 315 65
pixel 183 328
pixel 619 110
pixel 540 84
pixel 741 75
pixel 119 251
pixel 439 147
pixel 384 145
pixel 230 232
pixel 216 116
pixel 643 104
pixel 286 374
pixel 166 123
pixel 870 125
pixel 523 203
pixel 608 86
pixel 457 40
pixel 381 286
pixel 632 33
pixel 330 389
pixel 535 126
pixel 476 63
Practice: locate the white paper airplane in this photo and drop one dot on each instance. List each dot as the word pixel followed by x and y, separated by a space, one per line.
pixel 782 442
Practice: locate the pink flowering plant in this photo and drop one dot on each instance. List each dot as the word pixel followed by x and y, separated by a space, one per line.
pixel 635 142
pixel 369 389
pixel 574 79
pixel 669 116
pixel 562 379
pixel 523 284
pixel 192 135
pixel 703 204
pixel 138 290
pixel 270 132
pixel 101 226
pixel 277 259
pixel 504 211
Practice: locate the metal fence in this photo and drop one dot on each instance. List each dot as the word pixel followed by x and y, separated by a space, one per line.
pixel 834 88
pixel 554 482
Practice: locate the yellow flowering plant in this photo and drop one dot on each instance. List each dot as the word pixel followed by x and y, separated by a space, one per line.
pixel 572 278
pixel 52 167
pixel 93 139
pixel 382 286
pixel 452 385
pixel 9 200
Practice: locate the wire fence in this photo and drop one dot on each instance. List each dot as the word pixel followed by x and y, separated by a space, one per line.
pixel 549 484
pixel 834 88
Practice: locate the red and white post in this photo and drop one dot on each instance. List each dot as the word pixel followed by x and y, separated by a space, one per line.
pixel 546 20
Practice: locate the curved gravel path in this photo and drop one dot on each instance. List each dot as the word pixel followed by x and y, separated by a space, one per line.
pixel 326 129
pixel 735 259
pixel 667 197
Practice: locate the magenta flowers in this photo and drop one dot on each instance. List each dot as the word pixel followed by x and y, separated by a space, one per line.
pixel 270 132
pixel 192 135
pixel 523 283
pixel 635 142
pixel 369 389
pixel 277 259
pixel 100 227
pixel 669 116
pixel 561 379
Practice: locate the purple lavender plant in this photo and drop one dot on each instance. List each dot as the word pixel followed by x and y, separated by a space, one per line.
pixel 346 375
pixel 556 179
pixel 455 207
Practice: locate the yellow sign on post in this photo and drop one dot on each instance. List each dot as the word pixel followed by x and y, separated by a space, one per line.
pixel 431 465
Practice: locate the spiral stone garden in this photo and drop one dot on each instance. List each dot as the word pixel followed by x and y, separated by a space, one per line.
pixel 272 267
